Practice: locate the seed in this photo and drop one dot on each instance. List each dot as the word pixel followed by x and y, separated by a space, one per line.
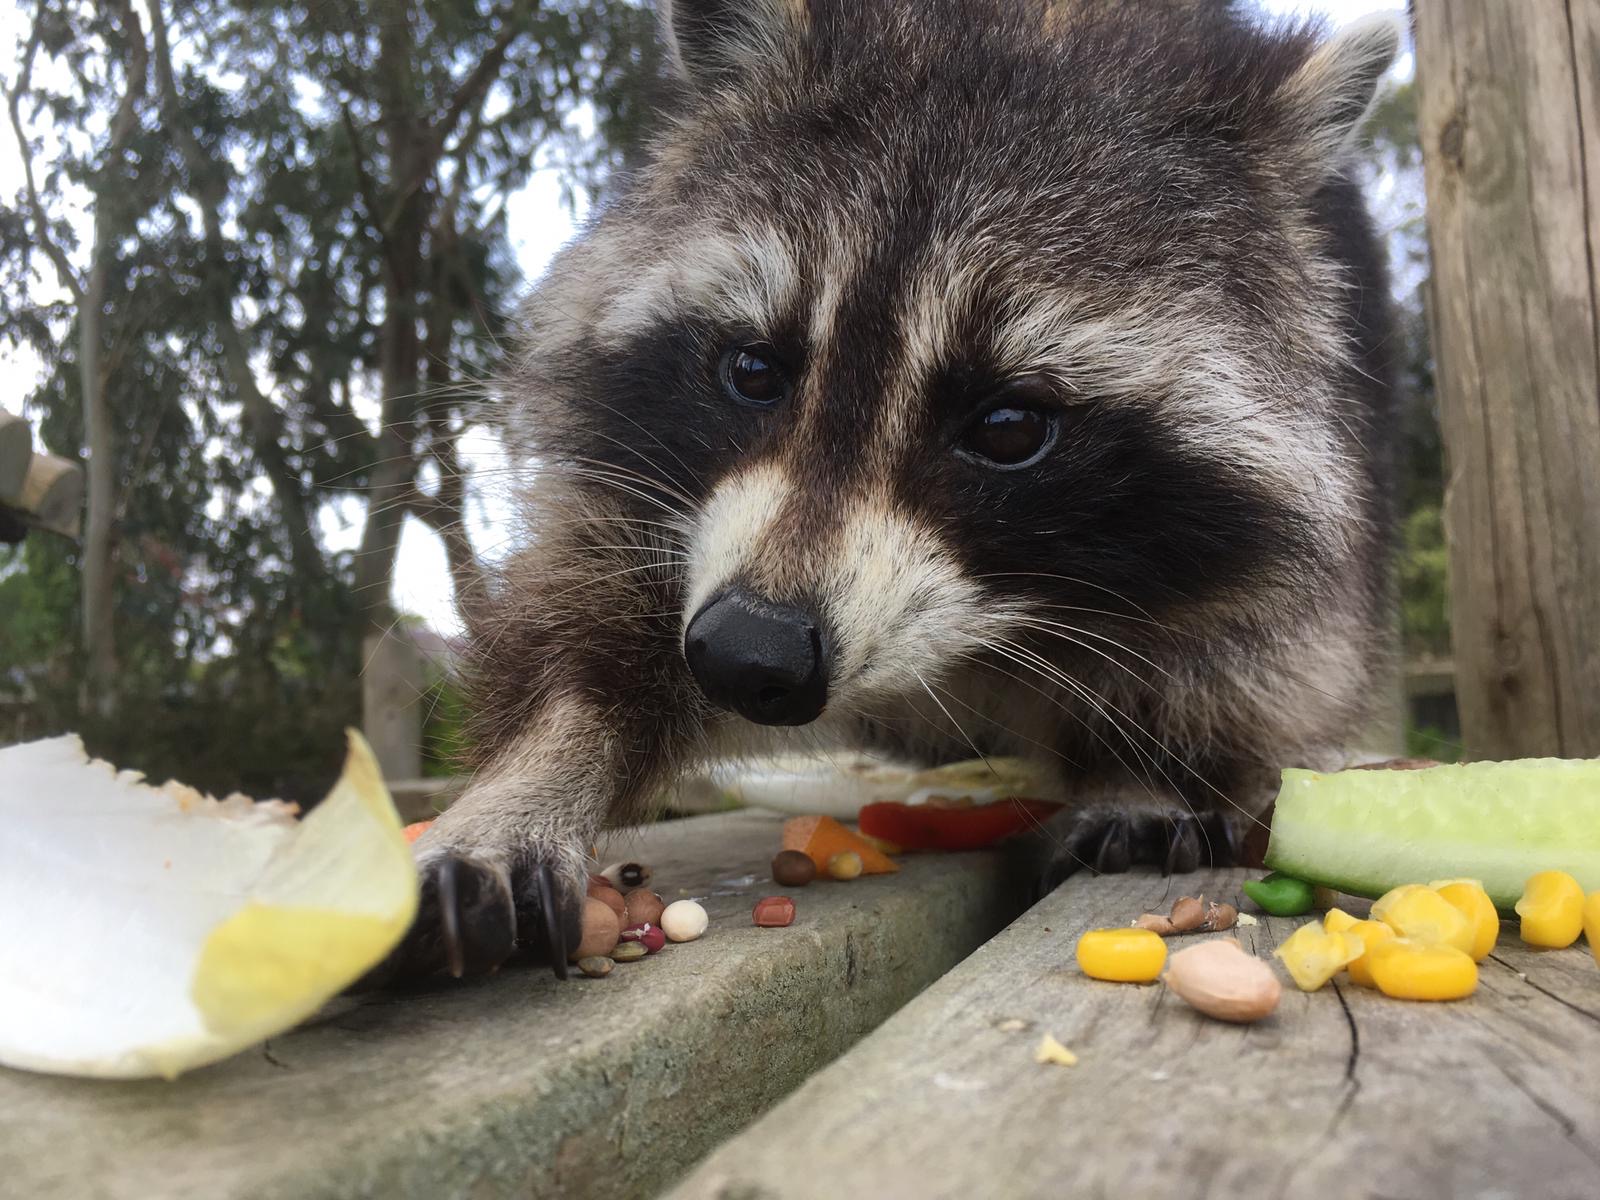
pixel 1551 909
pixel 612 898
pixel 774 911
pixel 1121 955
pixel 1474 904
pixel 1220 917
pixel 1282 895
pixel 625 876
pixel 1423 915
pixel 846 864
pixel 1409 970
pixel 647 935
pixel 684 920
pixel 600 929
pixel 1221 980
pixel 596 966
pixel 1187 913
pixel 628 952
pixel 643 906
pixel 793 868
pixel 1314 955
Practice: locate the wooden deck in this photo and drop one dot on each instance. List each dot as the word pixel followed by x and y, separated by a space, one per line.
pixel 1343 1093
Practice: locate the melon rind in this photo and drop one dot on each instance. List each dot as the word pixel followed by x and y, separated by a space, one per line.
pixel 1364 832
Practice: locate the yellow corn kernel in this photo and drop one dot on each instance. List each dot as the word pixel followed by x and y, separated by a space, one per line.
pixel 1338 921
pixel 1551 909
pixel 1591 923
pixel 1473 903
pixel 1313 955
pixel 1411 970
pixel 1423 915
pixel 1122 955
pixel 1372 934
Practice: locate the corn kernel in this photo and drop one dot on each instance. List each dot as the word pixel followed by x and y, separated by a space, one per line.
pixel 1338 921
pixel 1372 934
pixel 1551 909
pixel 1469 898
pixel 1421 914
pixel 1410 970
pixel 1313 955
pixel 1122 955
pixel 1591 923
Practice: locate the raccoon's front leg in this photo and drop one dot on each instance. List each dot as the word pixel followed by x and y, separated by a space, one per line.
pixel 583 705
pixel 503 868
pixel 1182 827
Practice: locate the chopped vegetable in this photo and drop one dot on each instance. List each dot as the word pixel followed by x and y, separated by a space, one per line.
pixel 1551 909
pixel 1365 832
pixel 1336 920
pixel 1281 895
pixel 820 838
pixel 1474 904
pixel 935 827
pixel 415 830
pixel 1372 935
pixel 1313 955
pixel 845 865
pixel 1421 914
pixel 1053 1052
pixel 1122 955
pixel 1409 970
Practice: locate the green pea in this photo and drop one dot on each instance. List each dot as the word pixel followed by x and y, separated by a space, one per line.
pixel 1282 895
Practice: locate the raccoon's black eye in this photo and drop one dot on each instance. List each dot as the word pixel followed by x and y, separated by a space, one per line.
pixel 1010 437
pixel 752 375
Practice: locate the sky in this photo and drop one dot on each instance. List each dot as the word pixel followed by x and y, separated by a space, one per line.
pixel 540 224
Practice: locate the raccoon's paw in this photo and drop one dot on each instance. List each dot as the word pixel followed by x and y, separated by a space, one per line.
pixel 1108 840
pixel 477 911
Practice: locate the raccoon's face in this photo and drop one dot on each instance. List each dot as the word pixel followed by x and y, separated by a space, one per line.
pixel 930 325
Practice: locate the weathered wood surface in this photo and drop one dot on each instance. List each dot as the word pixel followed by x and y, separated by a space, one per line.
pixel 16 449
pixel 1342 1093
pixel 1509 120
pixel 520 1085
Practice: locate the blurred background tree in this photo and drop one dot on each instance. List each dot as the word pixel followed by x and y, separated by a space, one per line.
pixel 261 251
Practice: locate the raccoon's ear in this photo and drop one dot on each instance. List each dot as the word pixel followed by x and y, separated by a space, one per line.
pixel 712 41
pixel 1327 100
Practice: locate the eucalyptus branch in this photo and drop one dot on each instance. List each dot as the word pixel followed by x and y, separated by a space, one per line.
pixel 63 265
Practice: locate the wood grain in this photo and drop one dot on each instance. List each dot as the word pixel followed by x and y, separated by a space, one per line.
pixel 1342 1093
pixel 1510 129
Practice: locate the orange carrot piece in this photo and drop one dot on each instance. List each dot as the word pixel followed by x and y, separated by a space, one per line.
pixel 415 830
pixel 820 838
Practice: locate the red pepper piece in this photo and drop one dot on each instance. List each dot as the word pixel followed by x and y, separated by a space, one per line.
pixel 926 827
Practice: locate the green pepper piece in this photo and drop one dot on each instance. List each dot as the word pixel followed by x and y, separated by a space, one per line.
pixel 1282 895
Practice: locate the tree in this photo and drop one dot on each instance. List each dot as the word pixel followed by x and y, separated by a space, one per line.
pixel 1507 113
pixel 305 272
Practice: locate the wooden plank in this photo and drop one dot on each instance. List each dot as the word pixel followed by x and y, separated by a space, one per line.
pixel 52 494
pixel 16 448
pixel 522 1086
pixel 1510 131
pixel 1342 1093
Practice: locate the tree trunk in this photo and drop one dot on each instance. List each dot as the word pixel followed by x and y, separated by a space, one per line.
pixel 1510 131
pixel 99 546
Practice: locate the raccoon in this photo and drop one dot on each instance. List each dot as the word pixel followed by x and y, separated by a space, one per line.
pixel 950 378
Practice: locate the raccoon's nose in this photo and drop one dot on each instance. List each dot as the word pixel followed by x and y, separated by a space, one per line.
pixel 764 661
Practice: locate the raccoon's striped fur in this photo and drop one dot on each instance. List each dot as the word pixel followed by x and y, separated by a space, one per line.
pixel 1135 216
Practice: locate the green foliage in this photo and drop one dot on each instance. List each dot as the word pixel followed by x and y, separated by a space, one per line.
pixel 1425 584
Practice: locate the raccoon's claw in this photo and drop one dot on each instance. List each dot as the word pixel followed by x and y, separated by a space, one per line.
pixel 1109 841
pixel 473 916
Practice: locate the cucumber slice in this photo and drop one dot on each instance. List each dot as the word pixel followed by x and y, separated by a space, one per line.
pixel 1364 832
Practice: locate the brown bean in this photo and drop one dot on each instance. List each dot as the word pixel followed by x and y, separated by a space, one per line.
pixel 793 868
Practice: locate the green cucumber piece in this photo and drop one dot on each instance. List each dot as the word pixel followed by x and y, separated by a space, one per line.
pixel 1281 895
pixel 1364 832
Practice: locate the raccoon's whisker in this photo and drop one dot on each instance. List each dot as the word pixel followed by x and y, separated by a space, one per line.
pixel 954 722
pixel 669 490
pixel 1062 631
pixel 1127 724
pixel 1115 595
pixel 1105 612
pixel 629 489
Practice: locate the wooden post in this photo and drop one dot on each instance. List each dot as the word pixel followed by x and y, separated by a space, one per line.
pixel 393 684
pixel 16 448
pixel 1509 119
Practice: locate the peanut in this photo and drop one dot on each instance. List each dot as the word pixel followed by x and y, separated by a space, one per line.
pixel 1221 980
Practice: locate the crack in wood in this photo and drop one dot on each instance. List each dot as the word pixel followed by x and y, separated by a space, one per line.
pixel 1523 977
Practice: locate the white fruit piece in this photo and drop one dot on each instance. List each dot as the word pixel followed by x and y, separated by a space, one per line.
pixel 147 931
